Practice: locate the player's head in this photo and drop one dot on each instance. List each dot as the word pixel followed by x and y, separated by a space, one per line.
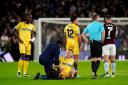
pixel 74 20
pixel 69 53
pixel 107 19
pixel 60 43
pixel 95 17
pixel 28 18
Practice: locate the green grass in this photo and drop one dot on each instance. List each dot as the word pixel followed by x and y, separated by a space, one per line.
pixel 8 75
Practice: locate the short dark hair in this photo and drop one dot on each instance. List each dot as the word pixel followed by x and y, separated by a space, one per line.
pixel 60 42
pixel 107 17
pixel 94 17
pixel 73 18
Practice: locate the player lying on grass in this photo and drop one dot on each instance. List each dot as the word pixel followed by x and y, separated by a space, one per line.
pixel 66 66
pixel 66 69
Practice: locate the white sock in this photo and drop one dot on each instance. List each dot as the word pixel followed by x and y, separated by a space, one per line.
pixel 106 66
pixel 113 67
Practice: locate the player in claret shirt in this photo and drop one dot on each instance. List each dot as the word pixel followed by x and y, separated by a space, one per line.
pixel 109 48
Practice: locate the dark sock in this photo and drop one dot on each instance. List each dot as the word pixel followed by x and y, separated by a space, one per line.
pixel 97 65
pixel 93 66
pixel 75 66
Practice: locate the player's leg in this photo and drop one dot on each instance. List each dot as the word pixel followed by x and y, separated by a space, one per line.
pixel 106 59
pixel 93 60
pixel 72 72
pixel 113 65
pixel 96 53
pixel 26 59
pixel 112 59
pixel 75 65
pixel 106 65
pixel 76 57
pixel 48 69
pixel 94 50
pixel 20 64
pixel 76 62
pixel 22 55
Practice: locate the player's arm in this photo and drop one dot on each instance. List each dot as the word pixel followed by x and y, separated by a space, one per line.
pixel 33 34
pixel 115 30
pixel 103 33
pixel 79 38
pixel 80 41
pixel 56 57
pixel 103 36
pixel 16 32
pixel 85 38
pixel 84 35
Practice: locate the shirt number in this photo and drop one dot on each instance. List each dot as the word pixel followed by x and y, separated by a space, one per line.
pixel 70 33
pixel 109 31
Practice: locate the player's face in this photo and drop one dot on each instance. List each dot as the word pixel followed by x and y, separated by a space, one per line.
pixel 109 20
pixel 28 18
pixel 76 22
pixel 98 18
pixel 68 54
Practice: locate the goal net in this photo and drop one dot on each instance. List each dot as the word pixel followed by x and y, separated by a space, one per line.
pixel 51 29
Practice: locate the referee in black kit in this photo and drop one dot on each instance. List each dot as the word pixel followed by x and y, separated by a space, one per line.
pixel 97 34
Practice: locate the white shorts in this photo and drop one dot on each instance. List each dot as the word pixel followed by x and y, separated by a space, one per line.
pixel 109 50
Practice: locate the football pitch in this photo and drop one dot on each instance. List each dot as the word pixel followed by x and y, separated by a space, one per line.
pixel 8 75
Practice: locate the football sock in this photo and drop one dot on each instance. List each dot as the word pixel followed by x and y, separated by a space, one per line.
pixel 113 67
pixel 93 66
pixel 75 66
pixel 20 63
pixel 25 66
pixel 106 66
pixel 97 65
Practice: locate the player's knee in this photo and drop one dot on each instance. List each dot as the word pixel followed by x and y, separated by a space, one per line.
pixel 112 60
pixel 76 58
pixel 106 58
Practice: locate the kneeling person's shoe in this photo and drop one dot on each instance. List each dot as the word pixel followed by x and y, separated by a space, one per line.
pixel 37 76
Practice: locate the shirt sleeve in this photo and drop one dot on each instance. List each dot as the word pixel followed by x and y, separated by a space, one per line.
pixel 78 30
pixel 102 28
pixel 34 28
pixel 65 29
pixel 17 27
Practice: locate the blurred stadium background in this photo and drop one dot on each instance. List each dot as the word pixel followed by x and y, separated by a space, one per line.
pixel 49 30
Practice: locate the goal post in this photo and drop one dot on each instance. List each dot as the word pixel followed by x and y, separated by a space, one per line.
pixel 44 25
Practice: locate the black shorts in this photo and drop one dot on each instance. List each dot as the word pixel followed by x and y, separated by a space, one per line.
pixel 96 49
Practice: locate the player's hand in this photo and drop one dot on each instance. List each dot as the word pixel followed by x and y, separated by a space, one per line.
pixel 81 48
pixel 30 42
pixel 21 41
pixel 102 41
pixel 89 42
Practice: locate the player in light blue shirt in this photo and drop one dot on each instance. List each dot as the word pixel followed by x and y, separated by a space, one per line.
pixel 97 34
pixel 94 29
